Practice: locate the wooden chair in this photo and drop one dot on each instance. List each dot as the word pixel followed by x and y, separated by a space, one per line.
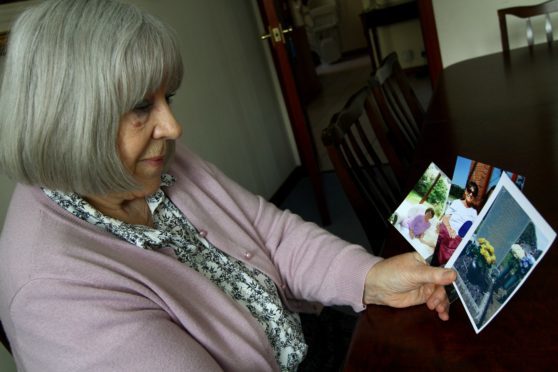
pixel 366 178
pixel 527 12
pixel 4 339
pixel 395 113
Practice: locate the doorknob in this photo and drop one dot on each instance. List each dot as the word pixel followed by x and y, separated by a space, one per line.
pixel 277 34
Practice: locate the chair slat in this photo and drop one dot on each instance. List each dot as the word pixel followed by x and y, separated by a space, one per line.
pixel 369 182
pixel 400 110
pixel 366 178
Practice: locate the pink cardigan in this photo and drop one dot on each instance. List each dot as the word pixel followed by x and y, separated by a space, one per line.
pixel 75 298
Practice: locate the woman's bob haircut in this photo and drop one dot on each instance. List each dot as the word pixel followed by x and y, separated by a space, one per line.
pixel 73 68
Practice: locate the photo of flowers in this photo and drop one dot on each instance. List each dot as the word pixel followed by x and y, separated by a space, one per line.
pixel 498 254
pixel 418 215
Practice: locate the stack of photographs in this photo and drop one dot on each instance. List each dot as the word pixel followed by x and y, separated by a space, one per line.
pixel 480 224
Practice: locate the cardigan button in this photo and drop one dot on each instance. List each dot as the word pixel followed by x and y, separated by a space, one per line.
pixel 248 255
pixel 203 233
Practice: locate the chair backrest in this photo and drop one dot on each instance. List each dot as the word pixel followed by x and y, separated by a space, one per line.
pixel 367 179
pixel 395 113
pixel 527 12
pixel 4 338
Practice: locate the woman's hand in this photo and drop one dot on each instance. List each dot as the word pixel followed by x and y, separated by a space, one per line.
pixel 452 232
pixel 407 280
pixel 445 220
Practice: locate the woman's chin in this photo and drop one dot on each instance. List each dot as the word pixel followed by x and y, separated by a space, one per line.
pixel 149 185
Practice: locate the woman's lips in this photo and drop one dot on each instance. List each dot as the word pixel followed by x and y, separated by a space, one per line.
pixel 155 161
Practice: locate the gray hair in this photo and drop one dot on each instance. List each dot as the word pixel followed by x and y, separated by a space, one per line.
pixel 73 68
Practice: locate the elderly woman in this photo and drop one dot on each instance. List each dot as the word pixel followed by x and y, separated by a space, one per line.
pixel 117 256
pixel 418 224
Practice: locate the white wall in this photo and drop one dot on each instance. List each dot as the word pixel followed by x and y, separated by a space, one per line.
pixel 468 29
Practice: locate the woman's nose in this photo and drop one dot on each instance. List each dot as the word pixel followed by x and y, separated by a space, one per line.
pixel 167 127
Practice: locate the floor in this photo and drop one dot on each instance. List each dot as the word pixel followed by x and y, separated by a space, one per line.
pixel 339 81
pixel 344 222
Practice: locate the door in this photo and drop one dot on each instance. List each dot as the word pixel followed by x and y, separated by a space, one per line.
pixel 274 16
pixel 430 37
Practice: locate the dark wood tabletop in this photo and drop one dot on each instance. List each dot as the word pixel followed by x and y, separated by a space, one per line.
pixel 501 111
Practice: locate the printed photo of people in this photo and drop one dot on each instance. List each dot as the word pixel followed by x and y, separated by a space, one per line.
pixel 471 185
pixel 418 215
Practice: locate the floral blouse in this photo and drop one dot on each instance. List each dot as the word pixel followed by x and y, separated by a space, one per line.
pixel 247 286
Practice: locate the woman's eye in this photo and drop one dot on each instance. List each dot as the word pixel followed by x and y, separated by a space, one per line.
pixel 169 97
pixel 143 107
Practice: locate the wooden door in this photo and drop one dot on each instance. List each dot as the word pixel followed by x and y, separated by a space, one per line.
pixel 274 16
pixel 430 37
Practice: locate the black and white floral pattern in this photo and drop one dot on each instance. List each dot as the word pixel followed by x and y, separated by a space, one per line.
pixel 248 286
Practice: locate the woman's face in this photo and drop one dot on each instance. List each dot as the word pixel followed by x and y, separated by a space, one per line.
pixel 470 195
pixel 143 137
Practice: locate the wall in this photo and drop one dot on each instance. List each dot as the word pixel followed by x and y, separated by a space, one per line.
pixel 468 29
pixel 405 38
pixel 350 26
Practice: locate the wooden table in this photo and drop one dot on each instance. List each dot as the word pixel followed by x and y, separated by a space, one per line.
pixel 504 112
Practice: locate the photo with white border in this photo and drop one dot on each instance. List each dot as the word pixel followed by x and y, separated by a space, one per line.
pixel 501 249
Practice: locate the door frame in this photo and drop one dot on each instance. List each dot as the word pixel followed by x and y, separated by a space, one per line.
pixel 297 115
pixel 430 39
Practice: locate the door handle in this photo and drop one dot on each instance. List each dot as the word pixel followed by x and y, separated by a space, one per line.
pixel 276 33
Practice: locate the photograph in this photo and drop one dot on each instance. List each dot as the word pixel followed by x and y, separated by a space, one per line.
pixel 498 254
pixel 418 215
pixel 471 186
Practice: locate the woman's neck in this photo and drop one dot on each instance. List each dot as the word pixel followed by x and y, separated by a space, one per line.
pixel 466 203
pixel 131 210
